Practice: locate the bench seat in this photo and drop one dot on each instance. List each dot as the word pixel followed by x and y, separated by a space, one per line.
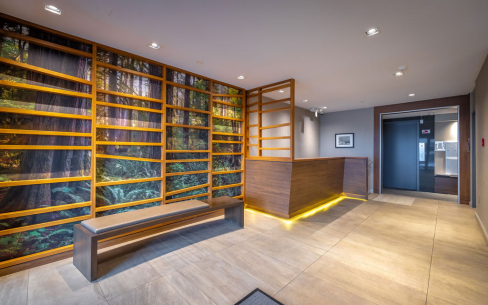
pixel 88 233
pixel 121 220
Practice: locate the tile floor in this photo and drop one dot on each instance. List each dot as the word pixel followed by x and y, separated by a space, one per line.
pixel 356 252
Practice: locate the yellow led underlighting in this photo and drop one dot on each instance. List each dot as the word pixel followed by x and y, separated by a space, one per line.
pixel 323 207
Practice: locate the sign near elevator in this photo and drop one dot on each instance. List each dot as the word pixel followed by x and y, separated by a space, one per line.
pixel 422 151
pixel 425 131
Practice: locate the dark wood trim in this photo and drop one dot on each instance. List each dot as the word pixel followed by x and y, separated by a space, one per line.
pixel 462 102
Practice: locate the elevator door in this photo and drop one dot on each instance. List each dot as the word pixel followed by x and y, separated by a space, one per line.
pixel 400 154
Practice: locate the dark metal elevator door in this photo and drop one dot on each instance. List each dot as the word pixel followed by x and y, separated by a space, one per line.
pixel 400 155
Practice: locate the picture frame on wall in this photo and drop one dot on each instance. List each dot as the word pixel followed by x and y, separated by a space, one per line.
pixel 344 140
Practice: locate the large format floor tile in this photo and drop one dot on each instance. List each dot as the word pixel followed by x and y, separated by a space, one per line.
pixel 351 252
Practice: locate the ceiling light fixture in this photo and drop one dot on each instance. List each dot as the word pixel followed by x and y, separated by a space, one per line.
pixel 325 107
pixel 411 94
pixel 305 101
pixel 372 32
pixel 400 71
pixel 241 77
pixel 154 46
pixel 52 9
pixel 281 91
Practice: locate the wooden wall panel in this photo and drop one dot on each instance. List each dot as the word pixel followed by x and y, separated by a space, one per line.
pixel 462 102
pixel 287 189
pixel 315 182
pixel 356 177
pixel 268 186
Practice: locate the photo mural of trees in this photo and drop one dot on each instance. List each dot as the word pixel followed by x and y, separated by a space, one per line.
pixel 118 91
pixel 18 164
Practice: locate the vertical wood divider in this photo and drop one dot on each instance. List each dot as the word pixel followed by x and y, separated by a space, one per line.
pixel 292 119
pixel 163 137
pixel 210 138
pixel 93 167
pixel 260 122
pixel 244 144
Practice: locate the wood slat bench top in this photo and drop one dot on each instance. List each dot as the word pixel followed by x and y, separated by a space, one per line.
pixel 117 221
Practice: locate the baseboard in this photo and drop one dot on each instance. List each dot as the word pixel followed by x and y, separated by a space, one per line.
pixel 483 229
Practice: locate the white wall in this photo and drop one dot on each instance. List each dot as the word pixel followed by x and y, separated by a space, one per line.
pixel 307 130
pixel 481 108
pixel 361 123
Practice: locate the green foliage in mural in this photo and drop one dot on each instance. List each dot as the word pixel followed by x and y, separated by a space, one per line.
pixel 231 191
pixel 128 209
pixel 186 167
pixel 226 179
pixel 17 222
pixel 227 99
pixel 227 126
pixel 123 193
pixel 202 190
pixel 178 138
pixel 112 135
pixel 119 170
pixel 174 183
pixel 35 241
pixel 127 117
pixel 175 116
pixel 227 111
pixel 222 89
pixel 226 147
pixel 226 163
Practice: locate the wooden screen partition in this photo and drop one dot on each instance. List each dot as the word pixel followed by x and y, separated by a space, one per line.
pixel 271 122
pixel 88 130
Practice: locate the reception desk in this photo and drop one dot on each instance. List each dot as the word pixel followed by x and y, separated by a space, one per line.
pixel 289 188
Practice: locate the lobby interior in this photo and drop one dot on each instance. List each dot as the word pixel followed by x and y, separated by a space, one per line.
pixel 257 152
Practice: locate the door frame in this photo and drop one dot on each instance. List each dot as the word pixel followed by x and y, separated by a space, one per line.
pixel 464 123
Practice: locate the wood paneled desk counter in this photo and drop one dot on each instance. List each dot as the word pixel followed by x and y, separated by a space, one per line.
pixel 289 188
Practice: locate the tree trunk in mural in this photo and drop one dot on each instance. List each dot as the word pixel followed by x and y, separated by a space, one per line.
pixel 43 164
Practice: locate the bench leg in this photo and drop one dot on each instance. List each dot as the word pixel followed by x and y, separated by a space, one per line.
pixel 85 253
pixel 235 215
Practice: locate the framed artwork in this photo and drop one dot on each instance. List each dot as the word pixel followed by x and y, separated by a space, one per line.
pixel 344 140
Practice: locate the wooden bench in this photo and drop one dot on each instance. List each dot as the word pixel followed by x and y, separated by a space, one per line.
pixel 88 233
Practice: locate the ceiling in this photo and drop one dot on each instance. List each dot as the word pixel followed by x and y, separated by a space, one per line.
pixel 320 43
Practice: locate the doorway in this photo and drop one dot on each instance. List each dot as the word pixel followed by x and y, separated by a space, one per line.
pixel 420 153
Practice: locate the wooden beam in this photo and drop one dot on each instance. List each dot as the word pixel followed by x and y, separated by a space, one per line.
pixel 187 87
pixel 187 160
pixel 45 133
pixel 228 172
pixel 44 71
pixel 187 189
pixel 45 113
pixel 44 210
pixel 187 109
pixel 43 181
pixel 127 204
pixel 227 186
pixel 136 97
pixel 275 126
pixel 125 70
pixel 187 126
pixel 44 43
pixel 187 173
pixel 127 158
pixel 129 107
pixel 43 225
pixel 106 183
pixel 129 128
pixel 45 147
pixel 187 197
pixel 44 89
pixel 226 118
pixel 128 143
pixel 226 103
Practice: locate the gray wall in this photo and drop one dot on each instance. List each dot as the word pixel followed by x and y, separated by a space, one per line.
pixel 307 134
pixel 361 123
pixel 481 108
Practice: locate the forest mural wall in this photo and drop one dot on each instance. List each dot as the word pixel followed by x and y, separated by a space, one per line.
pixel 88 131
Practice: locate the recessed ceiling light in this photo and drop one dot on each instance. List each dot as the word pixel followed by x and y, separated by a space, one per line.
pixel 305 101
pixel 199 62
pixel 281 91
pixel 324 107
pixel 411 94
pixel 399 73
pixel 52 9
pixel 371 32
pixel 154 46
pixel 241 77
